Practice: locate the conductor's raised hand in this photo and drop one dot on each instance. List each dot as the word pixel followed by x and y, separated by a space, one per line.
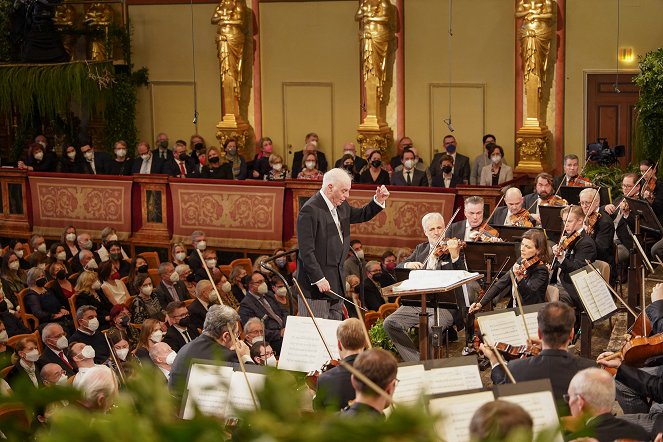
pixel 381 194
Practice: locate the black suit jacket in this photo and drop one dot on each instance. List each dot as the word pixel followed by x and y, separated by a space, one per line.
pixel 603 235
pixel 623 226
pixel 334 388
pixel 584 248
pixel 557 365
pixel 197 313
pixel 101 164
pixel 438 181
pixel 172 168
pixel 175 339
pixel 608 428
pixel 461 166
pixel 457 230
pixel 418 179
pixel 196 266
pixel 157 154
pixel 164 297
pixel 499 217
pixel 372 297
pixel 359 163
pixel 529 202
pixel 252 308
pixel 297 162
pixel 18 375
pixel 532 289
pixel 48 356
pixel 321 252
pixel 155 167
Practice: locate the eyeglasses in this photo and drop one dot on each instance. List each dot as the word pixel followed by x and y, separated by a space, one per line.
pixel 183 315
pixel 567 397
pixel 268 354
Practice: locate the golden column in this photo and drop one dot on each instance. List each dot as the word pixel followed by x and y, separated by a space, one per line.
pixel 535 34
pixel 230 18
pixel 374 17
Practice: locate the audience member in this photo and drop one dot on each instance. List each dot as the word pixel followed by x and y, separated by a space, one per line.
pixel 163 357
pixel 170 288
pixel 87 293
pixel 309 169
pixel 83 355
pixel 146 304
pixel 215 167
pixel 14 279
pixel 461 163
pixel 179 332
pixel 310 145
pixel 99 387
pixel 137 266
pixel 120 318
pixel 237 161
pixel 237 277
pixel 68 238
pixel 497 172
pixel 205 296
pixel 350 153
pixel 146 162
pixel 70 162
pixel 162 151
pixel 254 331
pixel 24 370
pixel 263 354
pixel 38 160
pixel 95 162
pixel 88 333
pixel 278 171
pixel 261 166
pixel 260 303
pixel 372 296
pixel 409 175
pixel 121 164
pixel 43 303
pixel 56 349
pixel 374 174
pixel 151 332
pixel 112 286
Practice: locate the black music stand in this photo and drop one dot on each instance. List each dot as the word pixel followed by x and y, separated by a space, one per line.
pixel 488 257
pixel 511 233
pixel 571 193
pixel 648 219
pixel 551 220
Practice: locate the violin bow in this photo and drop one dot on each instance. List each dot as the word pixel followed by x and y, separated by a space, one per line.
pixel 360 316
pixel 613 291
pixel 209 276
pixel 442 236
pixel 356 373
pixel 112 352
pixel 483 227
pixel 619 215
pixel 561 236
pixel 500 359
pixel 231 331
pixel 519 302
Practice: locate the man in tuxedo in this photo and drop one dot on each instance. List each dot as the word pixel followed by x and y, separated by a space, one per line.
pixel 146 162
pixel 406 316
pixel 323 235
pixel 162 151
pixel 56 349
pixel 179 332
pixel 570 172
pixel 513 200
pixel 170 288
pixel 334 386
pixel 554 362
pixel 468 229
pixel 310 145
pixel 180 165
pixel 620 213
pixel 409 175
pixel 543 188
pixel 260 303
pixel 603 230
pixel 461 167
pixel 95 163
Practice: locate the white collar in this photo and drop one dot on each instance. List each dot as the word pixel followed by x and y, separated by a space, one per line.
pixel 330 205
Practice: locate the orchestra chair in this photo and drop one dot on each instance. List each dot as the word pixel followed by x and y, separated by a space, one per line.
pixel 50 284
pixel 154 276
pixel 244 262
pixel 152 259
pixel 11 342
pixel 72 309
pixel 26 317
pixel 603 268
pixel 73 278
pixel 387 309
pixel 129 302
pixel 226 269
pixel 370 318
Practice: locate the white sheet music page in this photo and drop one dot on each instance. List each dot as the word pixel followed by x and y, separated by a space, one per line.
pixel 239 395
pixel 450 379
pixel 207 387
pixel 582 287
pixel 433 279
pixel 503 327
pixel 411 385
pixel 531 319
pixel 602 296
pixel 456 412
pixel 541 407
pixel 302 348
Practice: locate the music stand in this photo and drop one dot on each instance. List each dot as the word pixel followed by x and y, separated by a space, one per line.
pixel 648 219
pixel 551 220
pixel 488 257
pixel 571 193
pixel 511 233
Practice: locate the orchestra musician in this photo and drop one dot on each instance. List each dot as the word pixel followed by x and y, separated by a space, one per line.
pixel 570 176
pixel 651 189
pixel 598 224
pixel 620 213
pixel 544 194
pixel 530 273
pixel 513 213
pixel 470 229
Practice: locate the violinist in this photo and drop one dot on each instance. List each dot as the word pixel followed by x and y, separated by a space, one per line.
pixel 598 224
pixel 544 194
pixel 470 229
pixel 651 189
pixel 513 213
pixel 570 176
pixel 554 362
pixel 530 271
pixel 334 389
pixel 620 214
pixel 574 247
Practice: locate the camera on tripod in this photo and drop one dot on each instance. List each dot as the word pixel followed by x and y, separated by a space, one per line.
pixel 601 153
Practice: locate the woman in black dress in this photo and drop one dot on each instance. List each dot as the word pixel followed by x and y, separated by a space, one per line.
pixel 374 173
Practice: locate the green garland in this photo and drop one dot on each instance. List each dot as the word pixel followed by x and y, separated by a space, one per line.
pixel 649 125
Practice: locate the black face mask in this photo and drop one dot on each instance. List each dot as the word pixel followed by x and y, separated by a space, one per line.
pixel 214 160
pixel 348 167
pixel 377 276
pixel 190 277
pixel 184 322
pixel 61 274
pixel 376 163
pixel 3 306
pixel 198 146
pixel 246 280
pixel 124 322
pixel 446 169
pixel 142 269
pixel 183 157
pixel 41 282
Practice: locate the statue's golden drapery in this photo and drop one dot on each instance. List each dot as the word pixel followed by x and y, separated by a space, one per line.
pixel 99 16
pixel 64 20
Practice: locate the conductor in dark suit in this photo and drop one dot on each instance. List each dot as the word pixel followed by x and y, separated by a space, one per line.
pixel 461 167
pixel 334 389
pixel 554 362
pixel 323 236
pixel 410 175
pixel 260 303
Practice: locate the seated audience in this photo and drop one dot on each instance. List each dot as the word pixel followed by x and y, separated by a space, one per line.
pixel 38 160
pixel 108 235
pixel 277 170
pixel 43 303
pixel 83 355
pixel 121 163
pixel 215 167
pixel 261 164
pixel 446 178
pixel 138 265
pixel 146 162
pixel 95 162
pixel 151 333
pixel 146 304
pixel 347 163
pixel 88 333
pixel 14 279
pixel 25 368
pixel 309 169
pixel 262 354
pixel 179 332
pixel 112 286
pixel 311 146
pixel 68 238
pixel 70 162
pixel 170 288
pixel 187 278
pixel 178 252
pixel 409 175
pixel 120 318
pixel 237 277
pixel 99 388
pixel 350 153
pixel 56 349
pixel 254 331
pixel 372 296
pixel 497 172
pixel 260 303
pixel 63 288
pixel 374 174
pixel 237 161
pixel 87 290
pixel 205 296
pixel 163 357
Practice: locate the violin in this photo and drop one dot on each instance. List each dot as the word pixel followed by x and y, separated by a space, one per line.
pixel 509 351
pixel 443 248
pixel 591 221
pixel 312 376
pixel 568 242
pixel 526 264
pixel 579 181
pixel 487 233
pixel 522 218
pixel 554 201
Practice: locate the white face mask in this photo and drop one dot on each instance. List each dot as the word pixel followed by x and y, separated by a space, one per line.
pixel 310 165
pixel 113 237
pixel 180 256
pixel 201 245
pixel 88 352
pixel 62 381
pixel 71 237
pixel 42 248
pixel 71 156
pixel 257 339
pixel 19 254
pixel 496 158
pixel 262 289
pixel 282 292
pixel 62 343
pixel 122 353
pixel 96 285
pixel 87 245
pixel 43 144
pixel 211 263
pixel 89 155
pixel 61 256
pixel 156 336
pixel 3 336
pixel 146 289
pixel 42 266
pixel 93 324
pixel 348 152
pixel 145 157
pixel 121 153
pixel 171 358
pixel 360 254
pixel 13 265
pixel 226 287
pixel 277 167
pixel 32 355
pixel 174 277
pixel 408 164
pixel 314 142
pixel 92 265
pixel 213 297
pixel 271 361
pixel 39 156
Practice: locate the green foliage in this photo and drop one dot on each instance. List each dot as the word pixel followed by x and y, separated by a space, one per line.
pixel 608 176
pixel 649 125
pixel 379 337
pixel 5 43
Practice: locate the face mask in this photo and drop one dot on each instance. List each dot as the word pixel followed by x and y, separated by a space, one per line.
pixel 409 164
pixel 211 263
pixel 61 256
pixel 214 160
pixel 451 148
pixel 180 256
pixel 262 289
pixel 171 358
pixel 446 169
pixel 121 153
pixel 92 265
pixel 271 361
pixel 496 158
pixel 42 248
pixel 277 167
pixel 314 143
pixel 4 336
pixel 122 353
pixel 213 297
pixel 182 157
pixel 87 245
pixel 280 262
pixel 310 165
pixel 96 285
pixel 32 355
pixel 19 254
pixel 13 265
pixel 41 282
pixel 202 245
pixel 61 274
pixel 282 292
pixel 348 152
pixel 198 146
pixel 142 268
pixel 71 237
pixel 349 167
pixel 113 237
pixel 184 322
pixel 360 254
pixel 231 150
pixel 39 156
pixel 71 155
pixel 163 144
pixel 145 157
pixel 89 155
pixel 377 276
pixel 114 256
pixel 124 321
pixel 156 336
pixel 174 277
pixel 376 163
pixel 146 289
pixel 63 380
pixel 88 352
pixel 390 266
pixel 226 287
pixel 93 324
pixel 62 343
pixel 257 339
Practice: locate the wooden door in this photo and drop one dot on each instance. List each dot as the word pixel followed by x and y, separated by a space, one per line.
pixel 611 114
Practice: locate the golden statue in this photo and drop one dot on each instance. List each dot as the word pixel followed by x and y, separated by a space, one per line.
pixel 98 17
pixel 65 16
pixel 229 17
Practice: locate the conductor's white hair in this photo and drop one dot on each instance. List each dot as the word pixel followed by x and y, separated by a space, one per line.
pixel 429 217
pixel 335 177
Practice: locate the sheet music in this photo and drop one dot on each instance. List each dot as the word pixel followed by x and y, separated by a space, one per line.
pixel 239 395
pixel 207 387
pixel 450 379
pixel 502 327
pixel 582 287
pixel 433 279
pixel 411 386
pixel 532 321
pixel 302 348
pixel 541 407
pixel 456 412
pixel 602 296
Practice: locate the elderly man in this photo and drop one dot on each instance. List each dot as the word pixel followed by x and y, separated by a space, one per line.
pixel 215 343
pixel 56 349
pixel 380 367
pixel 461 166
pixel 88 333
pixel 83 355
pixel 99 389
pixel 372 297
pixel 162 151
pixel 591 396
pixel 163 357
pixel 322 249
pixel 603 228
pixel 179 330
pixel 205 296
pixel 254 331
pixel 146 162
pixel 259 302
pixel 84 260
pixel 170 288
pixel 53 374
pixel 623 219
pixel 398 323
pixel 468 229
pixel 504 215
pixel 199 243
pixel 180 165
pixel 570 171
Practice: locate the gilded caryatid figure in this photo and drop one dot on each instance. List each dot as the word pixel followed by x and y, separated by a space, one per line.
pixel 229 17
pixel 535 34
pixel 99 17
pixel 376 33
pixel 65 16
